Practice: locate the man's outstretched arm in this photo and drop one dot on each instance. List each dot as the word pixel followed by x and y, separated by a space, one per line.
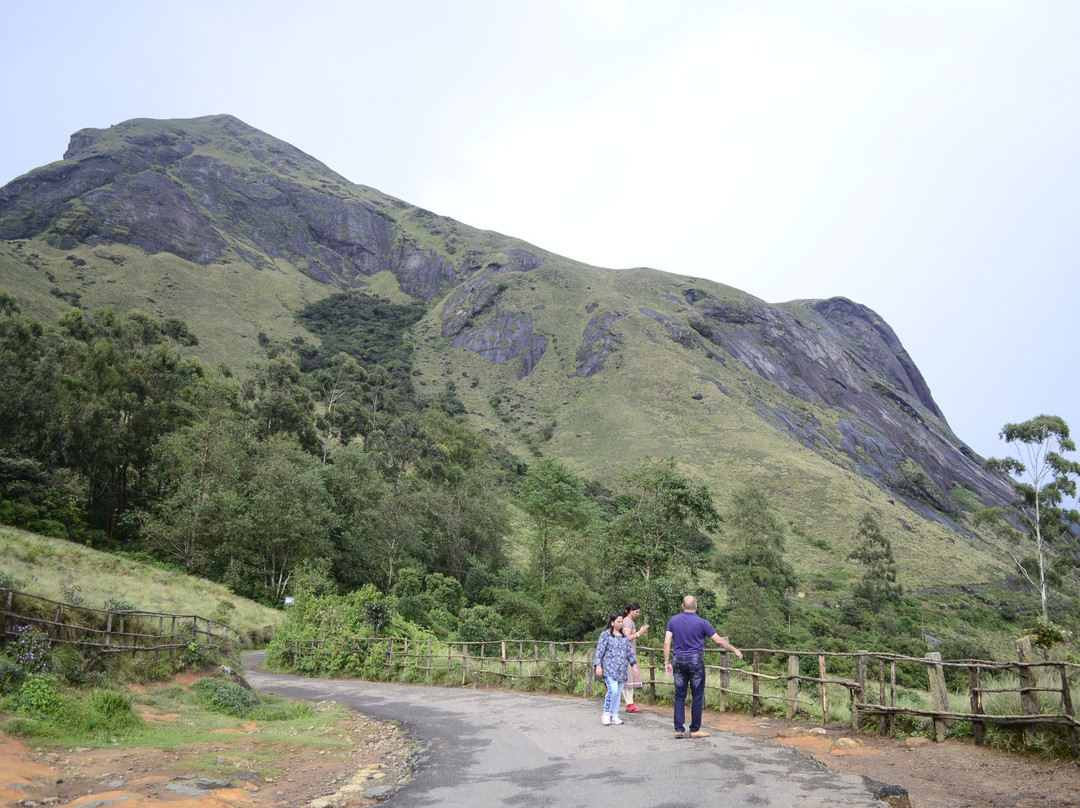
pixel 723 643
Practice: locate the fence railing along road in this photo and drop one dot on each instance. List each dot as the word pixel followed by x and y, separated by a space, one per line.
pixel 871 686
pixel 113 632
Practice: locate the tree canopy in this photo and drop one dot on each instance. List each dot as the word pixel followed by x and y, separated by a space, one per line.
pixel 1044 481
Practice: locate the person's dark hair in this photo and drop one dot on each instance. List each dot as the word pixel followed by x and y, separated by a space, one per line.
pixel 611 623
pixel 630 607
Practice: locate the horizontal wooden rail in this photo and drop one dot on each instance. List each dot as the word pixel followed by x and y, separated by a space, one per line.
pixel 112 632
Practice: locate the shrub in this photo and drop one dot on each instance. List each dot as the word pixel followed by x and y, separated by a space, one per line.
pixel 10 581
pixel 481 624
pixel 40 697
pixel 377 615
pixel 119 605
pixel 31 650
pixel 411 608
pixel 25 726
pixel 72 593
pixel 11 676
pixel 143 668
pixel 1046 635
pixel 224 611
pixel 285 711
pixel 223 696
pixel 69 665
pixel 109 710
pixel 195 656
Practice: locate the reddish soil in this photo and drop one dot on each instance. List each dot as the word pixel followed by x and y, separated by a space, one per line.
pixel 951 774
pixel 378 757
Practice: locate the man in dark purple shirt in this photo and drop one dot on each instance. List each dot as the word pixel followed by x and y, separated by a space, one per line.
pixel 686 635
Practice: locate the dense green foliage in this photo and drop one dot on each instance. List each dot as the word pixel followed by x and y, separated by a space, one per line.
pixel 369 329
pixel 221 695
pixel 326 475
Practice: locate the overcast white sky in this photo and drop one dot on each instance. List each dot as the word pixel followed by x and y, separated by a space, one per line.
pixel 921 158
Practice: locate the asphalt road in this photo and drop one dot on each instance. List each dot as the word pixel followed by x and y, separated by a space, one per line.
pixel 485 748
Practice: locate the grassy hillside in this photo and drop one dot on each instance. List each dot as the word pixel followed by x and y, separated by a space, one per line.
pixel 657 398
pixel 64 571
pixel 225 306
pixel 654 397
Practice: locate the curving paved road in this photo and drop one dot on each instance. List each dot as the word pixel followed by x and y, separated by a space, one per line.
pixel 516 749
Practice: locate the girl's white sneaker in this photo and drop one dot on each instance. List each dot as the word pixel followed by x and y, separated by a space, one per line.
pixel 615 719
pixel 607 719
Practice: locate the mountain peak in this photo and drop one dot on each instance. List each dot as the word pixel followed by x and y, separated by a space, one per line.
pixel 548 333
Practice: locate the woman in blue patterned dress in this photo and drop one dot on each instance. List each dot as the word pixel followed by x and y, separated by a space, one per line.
pixel 613 660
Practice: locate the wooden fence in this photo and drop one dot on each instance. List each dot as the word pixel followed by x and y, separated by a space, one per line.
pixel 113 632
pixel 871 687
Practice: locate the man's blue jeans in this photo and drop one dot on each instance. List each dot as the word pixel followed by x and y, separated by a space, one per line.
pixel 689 670
pixel 614 690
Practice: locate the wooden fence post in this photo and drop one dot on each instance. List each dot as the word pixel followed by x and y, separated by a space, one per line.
pixel 975 674
pixel 755 701
pixel 857 695
pixel 892 695
pixel 652 676
pixel 725 679
pixel 792 707
pixel 1067 705
pixel 570 672
pixel 939 694
pixel 883 728
pixel 824 690
pixel 7 610
pixel 1029 700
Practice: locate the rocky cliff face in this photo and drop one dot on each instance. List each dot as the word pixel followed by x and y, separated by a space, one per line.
pixel 843 356
pixel 214 191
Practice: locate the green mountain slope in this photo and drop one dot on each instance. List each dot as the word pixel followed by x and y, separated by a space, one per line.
pixel 232 230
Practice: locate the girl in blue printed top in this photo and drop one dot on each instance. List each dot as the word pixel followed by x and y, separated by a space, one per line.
pixel 613 660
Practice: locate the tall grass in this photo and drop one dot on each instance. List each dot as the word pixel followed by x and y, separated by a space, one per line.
pixel 72 573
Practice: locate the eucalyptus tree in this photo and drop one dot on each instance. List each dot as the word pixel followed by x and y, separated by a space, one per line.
pixel 878 584
pixel 280 402
pixel 28 375
pixel 378 529
pixel 110 387
pixel 654 535
pixel 287 517
pixel 465 510
pixel 756 540
pixel 198 474
pixel 560 516
pixel 342 416
pixel 1043 479
pixel 753 568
